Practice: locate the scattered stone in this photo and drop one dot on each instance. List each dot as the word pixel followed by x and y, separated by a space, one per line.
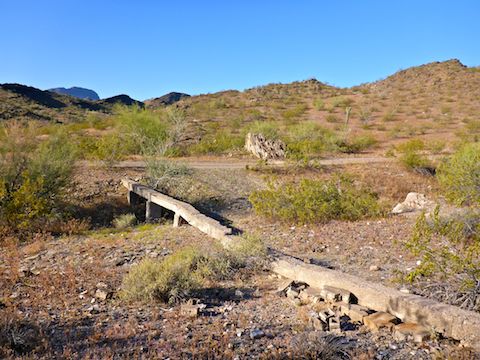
pixel 355 312
pixel 379 320
pixel 284 286
pixel 103 295
pixel 374 268
pixel 418 332
pixel 239 332
pixel 292 294
pixel 190 309
pixel 331 293
pixel 256 334
pixel 239 293
pixel 325 315
pixel 334 324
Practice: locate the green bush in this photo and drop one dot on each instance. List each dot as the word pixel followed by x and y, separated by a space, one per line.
pixel 316 201
pixel 268 129
pixel 308 138
pixel 410 155
pixel 459 176
pixel 357 144
pixel 217 143
pixel 33 175
pixel 449 248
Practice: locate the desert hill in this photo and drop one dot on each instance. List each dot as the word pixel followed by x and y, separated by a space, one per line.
pixel 167 99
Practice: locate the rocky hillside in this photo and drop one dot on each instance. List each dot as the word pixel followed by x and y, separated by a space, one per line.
pixel 21 102
pixel 77 92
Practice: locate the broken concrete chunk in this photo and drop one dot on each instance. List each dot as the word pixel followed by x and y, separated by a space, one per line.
pixel 334 324
pixel 379 320
pixel 284 286
pixel 331 293
pixel 355 312
pixel 324 315
pixel 310 295
pixel 418 332
pixel 413 202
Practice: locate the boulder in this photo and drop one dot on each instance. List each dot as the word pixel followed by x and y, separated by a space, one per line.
pixel 413 202
pixel 264 148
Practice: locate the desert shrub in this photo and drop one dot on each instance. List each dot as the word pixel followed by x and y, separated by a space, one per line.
pixel 357 144
pixel 124 221
pixel 308 138
pixel 268 129
pixel 188 270
pixel 169 280
pixel 449 248
pixel 158 171
pixel 33 175
pixel 459 175
pixel 217 143
pixel 410 155
pixel 341 102
pixel 332 118
pixel 110 148
pixel 145 129
pixel 366 115
pixel 319 104
pixel 316 201
pixel 294 113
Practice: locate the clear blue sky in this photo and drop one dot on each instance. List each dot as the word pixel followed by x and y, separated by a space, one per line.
pixel 146 48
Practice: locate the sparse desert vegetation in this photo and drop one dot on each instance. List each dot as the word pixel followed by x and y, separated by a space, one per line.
pixel 84 275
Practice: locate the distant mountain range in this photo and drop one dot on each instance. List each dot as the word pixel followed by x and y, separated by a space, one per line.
pixel 24 102
pixel 77 92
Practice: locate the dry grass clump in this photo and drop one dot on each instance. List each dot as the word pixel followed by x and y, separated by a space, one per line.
pixel 124 221
pixel 186 271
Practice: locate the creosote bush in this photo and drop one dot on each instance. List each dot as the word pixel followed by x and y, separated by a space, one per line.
pixel 449 248
pixel 33 175
pixel 459 176
pixel 410 155
pixel 316 201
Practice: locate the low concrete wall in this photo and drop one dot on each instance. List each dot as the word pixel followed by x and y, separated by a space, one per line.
pixel 451 321
pixel 181 209
pixel 448 320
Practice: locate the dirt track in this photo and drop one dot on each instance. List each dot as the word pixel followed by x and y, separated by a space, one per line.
pixel 241 164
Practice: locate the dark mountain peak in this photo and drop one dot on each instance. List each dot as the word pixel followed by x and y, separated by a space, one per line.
pixel 122 99
pixel 45 98
pixel 167 99
pixel 77 92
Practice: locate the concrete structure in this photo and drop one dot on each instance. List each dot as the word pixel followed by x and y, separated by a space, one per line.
pixel 156 202
pixel 451 321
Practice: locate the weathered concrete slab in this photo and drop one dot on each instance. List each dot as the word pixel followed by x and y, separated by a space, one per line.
pixel 182 210
pixel 448 320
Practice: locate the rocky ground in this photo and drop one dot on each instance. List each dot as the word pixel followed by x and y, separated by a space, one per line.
pixel 60 296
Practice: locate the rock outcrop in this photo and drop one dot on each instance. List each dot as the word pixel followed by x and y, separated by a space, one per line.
pixel 413 202
pixel 264 148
